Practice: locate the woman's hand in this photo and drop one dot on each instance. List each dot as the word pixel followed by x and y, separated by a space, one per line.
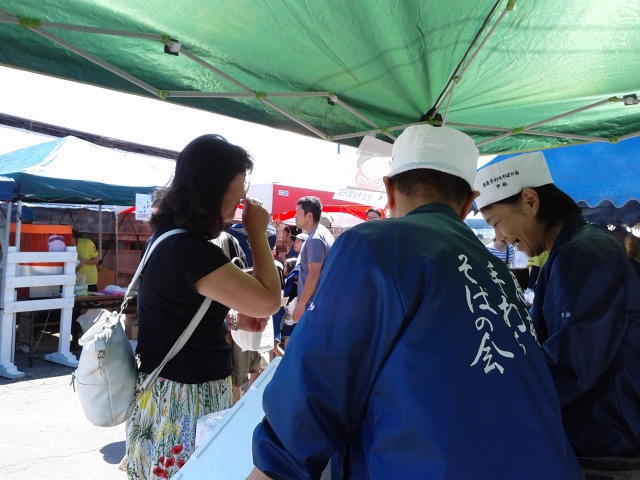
pixel 251 324
pixel 254 217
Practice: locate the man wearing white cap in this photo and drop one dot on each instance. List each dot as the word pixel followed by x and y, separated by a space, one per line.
pixel 417 360
pixel 586 311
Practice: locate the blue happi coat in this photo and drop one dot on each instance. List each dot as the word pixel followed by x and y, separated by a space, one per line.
pixel 587 315
pixel 416 360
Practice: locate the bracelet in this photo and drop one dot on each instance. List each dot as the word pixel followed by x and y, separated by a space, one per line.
pixel 232 320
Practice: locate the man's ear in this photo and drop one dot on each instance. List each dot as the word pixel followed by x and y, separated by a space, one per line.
pixel 391 194
pixel 467 204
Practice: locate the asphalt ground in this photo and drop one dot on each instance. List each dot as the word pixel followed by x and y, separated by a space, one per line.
pixel 43 432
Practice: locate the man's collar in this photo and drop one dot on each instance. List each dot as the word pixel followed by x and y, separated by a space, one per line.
pixel 435 208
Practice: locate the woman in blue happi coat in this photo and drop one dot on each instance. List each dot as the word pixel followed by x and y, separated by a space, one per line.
pixel 586 311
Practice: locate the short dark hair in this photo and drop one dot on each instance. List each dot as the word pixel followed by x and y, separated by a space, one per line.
pixel 422 182
pixel 204 170
pixel 313 205
pixel 377 211
pixel 555 205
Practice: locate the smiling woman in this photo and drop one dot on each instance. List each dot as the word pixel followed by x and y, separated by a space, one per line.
pixel 531 219
pixel 585 310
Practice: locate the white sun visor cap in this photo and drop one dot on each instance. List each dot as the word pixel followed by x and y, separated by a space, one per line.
pixel 438 148
pixel 504 179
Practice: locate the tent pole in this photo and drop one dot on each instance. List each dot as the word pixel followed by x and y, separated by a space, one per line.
pixel 99 233
pixel 572 136
pixel 7 233
pixel 478 127
pixel 436 105
pixel 229 78
pixel 356 113
pixel 93 59
pixel 493 139
pixel 628 136
pixel 405 125
pixel 295 119
pixel 215 70
pixel 483 42
pixel 528 131
pixel 573 112
pixel 18 224
pixel 6 17
pixel 252 94
pixel 373 131
pixel 458 76
pixel 115 280
pixel 5 251
pixel 446 112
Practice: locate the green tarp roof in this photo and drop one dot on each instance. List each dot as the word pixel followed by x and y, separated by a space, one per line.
pixel 389 61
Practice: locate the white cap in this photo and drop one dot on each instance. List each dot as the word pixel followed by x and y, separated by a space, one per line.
pixel 326 220
pixel 438 148
pixel 501 180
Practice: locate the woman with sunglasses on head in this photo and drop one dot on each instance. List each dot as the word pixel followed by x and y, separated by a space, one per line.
pixel 586 311
pixel 208 184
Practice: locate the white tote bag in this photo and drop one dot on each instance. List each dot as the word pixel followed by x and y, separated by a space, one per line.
pixel 107 372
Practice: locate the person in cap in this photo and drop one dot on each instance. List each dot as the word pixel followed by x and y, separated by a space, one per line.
pixel 298 241
pixel 586 310
pixel 326 220
pixel 418 359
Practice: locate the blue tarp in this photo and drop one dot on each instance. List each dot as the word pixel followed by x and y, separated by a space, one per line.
pixel 7 188
pixel 70 170
pixel 603 178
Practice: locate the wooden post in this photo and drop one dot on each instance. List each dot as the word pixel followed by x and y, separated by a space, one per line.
pixel 18 224
pixel 8 323
pixel 64 356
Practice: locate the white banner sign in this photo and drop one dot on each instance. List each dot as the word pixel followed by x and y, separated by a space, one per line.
pixel 143 207
pixel 363 197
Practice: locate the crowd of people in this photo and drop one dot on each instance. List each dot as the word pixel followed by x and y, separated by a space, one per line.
pixel 409 349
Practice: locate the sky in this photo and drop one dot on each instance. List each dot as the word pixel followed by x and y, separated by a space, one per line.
pixel 279 156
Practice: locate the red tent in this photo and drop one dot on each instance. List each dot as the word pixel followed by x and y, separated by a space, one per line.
pixel 286 197
pixel 359 211
pixel 285 200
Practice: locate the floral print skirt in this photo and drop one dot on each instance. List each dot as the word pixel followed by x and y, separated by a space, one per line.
pixel 161 431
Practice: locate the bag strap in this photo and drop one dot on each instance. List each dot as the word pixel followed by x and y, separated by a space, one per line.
pixel 175 349
pixel 132 289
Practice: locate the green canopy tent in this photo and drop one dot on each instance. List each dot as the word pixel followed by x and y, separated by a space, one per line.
pixel 516 75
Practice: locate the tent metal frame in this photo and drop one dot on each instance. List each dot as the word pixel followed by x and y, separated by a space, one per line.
pixel 38 27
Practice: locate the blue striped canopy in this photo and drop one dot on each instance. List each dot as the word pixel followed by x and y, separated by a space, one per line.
pixel 603 178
